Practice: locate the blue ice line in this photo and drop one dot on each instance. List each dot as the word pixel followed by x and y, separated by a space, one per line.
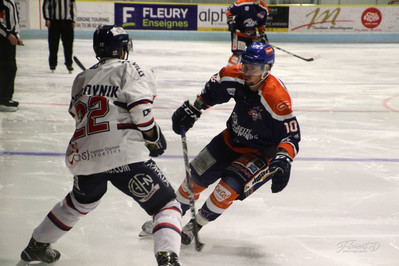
pixel 317 159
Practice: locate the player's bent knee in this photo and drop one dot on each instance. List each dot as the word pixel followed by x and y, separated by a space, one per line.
pixel 82 208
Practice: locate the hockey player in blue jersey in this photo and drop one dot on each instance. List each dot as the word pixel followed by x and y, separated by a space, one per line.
pixel 244 19
pixel 111 103
pixel 262 136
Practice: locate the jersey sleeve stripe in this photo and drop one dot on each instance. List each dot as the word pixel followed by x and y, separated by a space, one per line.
pixel 289 147
pixel 132 105
pixel 146 124
pixel 202 99
pixel 126 126
pixel 142 126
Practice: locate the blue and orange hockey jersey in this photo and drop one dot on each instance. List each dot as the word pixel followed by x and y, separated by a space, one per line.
pixel 261 121
pixel 248 16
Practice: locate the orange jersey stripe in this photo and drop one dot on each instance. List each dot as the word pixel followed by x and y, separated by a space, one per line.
pixel 233 71
pixel 242 150
pixel 289 148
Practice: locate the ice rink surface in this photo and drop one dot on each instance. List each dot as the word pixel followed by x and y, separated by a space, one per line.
pixel 341 206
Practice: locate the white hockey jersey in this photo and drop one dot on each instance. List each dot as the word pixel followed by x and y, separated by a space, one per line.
pixel 111 103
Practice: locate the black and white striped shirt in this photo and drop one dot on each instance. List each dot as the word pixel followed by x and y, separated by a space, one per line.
pixel 9 19
pixel 59 10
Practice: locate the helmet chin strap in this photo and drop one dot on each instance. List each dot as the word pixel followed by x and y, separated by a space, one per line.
pixel 262 79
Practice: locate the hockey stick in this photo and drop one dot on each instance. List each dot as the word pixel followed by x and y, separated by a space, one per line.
pixel 198 244
pixel 288 52
pixel 258 179
pixel 285 51
pixel 79 63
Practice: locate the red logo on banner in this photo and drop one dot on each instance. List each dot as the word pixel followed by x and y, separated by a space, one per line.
pixel 371 17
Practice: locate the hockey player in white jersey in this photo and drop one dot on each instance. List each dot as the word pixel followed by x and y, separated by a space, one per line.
pixel 112 105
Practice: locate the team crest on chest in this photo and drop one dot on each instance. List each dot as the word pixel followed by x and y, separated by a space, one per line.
pixel 255 112
pixel 261 15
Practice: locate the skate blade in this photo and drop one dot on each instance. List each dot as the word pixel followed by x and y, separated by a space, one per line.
pixel 33 263
pixel 144 234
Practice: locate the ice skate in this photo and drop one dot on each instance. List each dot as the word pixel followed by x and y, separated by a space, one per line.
pixel 167 259
pixel 187 234
pixel 146 229
pixel 36 251
pixel 70 69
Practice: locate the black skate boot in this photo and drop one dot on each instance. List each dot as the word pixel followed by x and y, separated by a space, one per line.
pixel 8 106
pixel 36 251
pixel 187 234
pixel 167 259
pixel 70 69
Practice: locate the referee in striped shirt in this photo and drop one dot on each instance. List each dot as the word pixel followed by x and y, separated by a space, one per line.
pixel 9 39
pixel 60 21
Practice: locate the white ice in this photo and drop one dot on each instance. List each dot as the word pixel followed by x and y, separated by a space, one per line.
pixel 341 206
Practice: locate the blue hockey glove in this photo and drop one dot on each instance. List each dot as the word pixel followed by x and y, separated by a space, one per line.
pixel 157 146
pixel 185 116
pixel 281 178
pixel 231 25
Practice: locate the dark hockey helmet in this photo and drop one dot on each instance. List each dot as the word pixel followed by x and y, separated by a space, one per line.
pixel 258 53
pixel 109 40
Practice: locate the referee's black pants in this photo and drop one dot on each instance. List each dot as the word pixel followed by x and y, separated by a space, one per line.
pixel 8 69
pixel 60 29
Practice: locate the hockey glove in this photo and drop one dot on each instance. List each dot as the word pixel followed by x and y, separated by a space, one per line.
pixel 263 38
pixel 185 116
pixel 280 179
pixel 157 146
pixel 231 25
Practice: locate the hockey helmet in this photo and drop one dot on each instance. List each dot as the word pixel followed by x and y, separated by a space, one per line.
pixel 260 54
pixel 109 40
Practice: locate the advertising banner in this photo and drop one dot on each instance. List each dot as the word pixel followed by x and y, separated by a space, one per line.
pixel 337 19
pixel 278 19
pixel 156 16
pixel 213 18
pixel 90 15
pixel 23 11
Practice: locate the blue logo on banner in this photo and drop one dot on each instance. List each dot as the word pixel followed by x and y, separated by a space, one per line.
pixel 156 16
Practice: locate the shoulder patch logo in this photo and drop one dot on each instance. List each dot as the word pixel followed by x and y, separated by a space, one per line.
pixel 146 111
pixel 285 105
pixel 231 91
